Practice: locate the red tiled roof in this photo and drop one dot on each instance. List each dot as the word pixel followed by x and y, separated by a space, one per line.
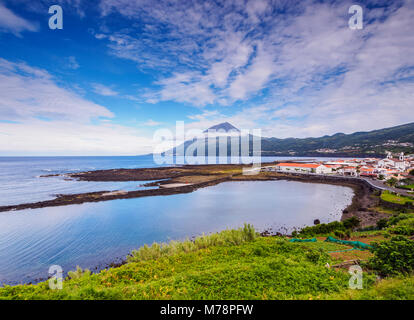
pixel 299 165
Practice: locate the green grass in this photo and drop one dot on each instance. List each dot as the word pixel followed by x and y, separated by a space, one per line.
pixel 390 197
pixel 234 264
pixel 387 289
pixel 258 269
pixel 408 187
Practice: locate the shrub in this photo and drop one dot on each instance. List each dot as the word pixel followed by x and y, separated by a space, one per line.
pixel 78 273
pixel 393 257
pixel 392 182
pixel 342 234
pixel 323 228
pixel 351 223
pixel 326 228
pixel 398 217
pixel 381 224
pixel 404 227
pixel 317 256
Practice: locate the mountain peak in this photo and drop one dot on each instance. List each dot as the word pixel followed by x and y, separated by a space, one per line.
pixel 225 126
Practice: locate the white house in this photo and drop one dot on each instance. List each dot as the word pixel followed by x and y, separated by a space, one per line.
pixel 394 163
pixel 348 171
pixel 303 168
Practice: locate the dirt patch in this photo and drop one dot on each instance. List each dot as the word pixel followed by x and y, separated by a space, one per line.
pixel 351 255
pixel 368 239
pixel 174 185
pixel 114 193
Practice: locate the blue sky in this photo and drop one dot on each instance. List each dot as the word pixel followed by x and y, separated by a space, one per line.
pixel 121 69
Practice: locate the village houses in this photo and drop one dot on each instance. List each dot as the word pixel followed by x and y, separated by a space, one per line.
pixel 397 167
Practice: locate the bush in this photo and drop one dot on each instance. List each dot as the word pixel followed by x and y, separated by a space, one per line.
pixel 393 257
pixel 381 224
pixel 392 182
pixel 78 273
pixel 317 256
pixel 404 227
pixel 395 219
pixel 323 228
pixel 327 228
pixel 343 234
pixel 351 223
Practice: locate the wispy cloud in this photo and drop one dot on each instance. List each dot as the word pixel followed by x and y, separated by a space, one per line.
pixel 72 63
pixel 31 92
pixel 289 67
pixel 297 62
pixel 41 117
pixel 10 22
pixel 152 123
pixel 103 90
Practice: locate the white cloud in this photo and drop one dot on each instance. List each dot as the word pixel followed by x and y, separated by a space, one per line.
pixel 103 90
pixel 10 22
pixel 183 87
pixel 152 123
pixel 297 74
pixel 324 78
pixel 29 92
pixel 72 63
pixel 71 138
pixel 40 117
pixel 254 78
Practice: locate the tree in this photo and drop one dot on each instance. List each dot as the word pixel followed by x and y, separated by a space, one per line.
pixel 392 182
pixel 351 223
pixel 382 223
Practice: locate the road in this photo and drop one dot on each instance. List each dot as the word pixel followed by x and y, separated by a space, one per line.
pixel 377 184
pixel 382 186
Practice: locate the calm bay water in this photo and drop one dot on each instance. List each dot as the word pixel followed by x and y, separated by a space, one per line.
pixel 21 181
pixel 93 234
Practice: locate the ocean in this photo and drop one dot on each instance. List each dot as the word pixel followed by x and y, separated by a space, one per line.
pixel 21 178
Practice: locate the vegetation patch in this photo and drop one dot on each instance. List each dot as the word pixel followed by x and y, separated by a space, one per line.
pixel 238 264
pixel 395 198
pixel 393 257
pixel 339 229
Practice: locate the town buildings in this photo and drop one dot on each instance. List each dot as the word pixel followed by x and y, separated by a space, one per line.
pixel 397 167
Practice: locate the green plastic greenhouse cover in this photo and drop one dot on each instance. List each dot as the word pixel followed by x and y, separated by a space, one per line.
pixel 302 240
pixel 355 244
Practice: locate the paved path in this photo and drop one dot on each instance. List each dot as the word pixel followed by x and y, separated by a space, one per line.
pixel 382 186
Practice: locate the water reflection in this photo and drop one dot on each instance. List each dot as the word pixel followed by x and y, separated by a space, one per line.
pixel 93 234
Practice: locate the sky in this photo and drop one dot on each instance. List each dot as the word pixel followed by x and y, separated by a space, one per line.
pixel 120 70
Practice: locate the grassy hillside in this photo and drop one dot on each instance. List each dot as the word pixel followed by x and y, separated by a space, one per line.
pixel 372 143
pixel 375 142
pixel 234 264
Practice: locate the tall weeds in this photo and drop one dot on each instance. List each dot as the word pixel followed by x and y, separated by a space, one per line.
pixel 226 237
